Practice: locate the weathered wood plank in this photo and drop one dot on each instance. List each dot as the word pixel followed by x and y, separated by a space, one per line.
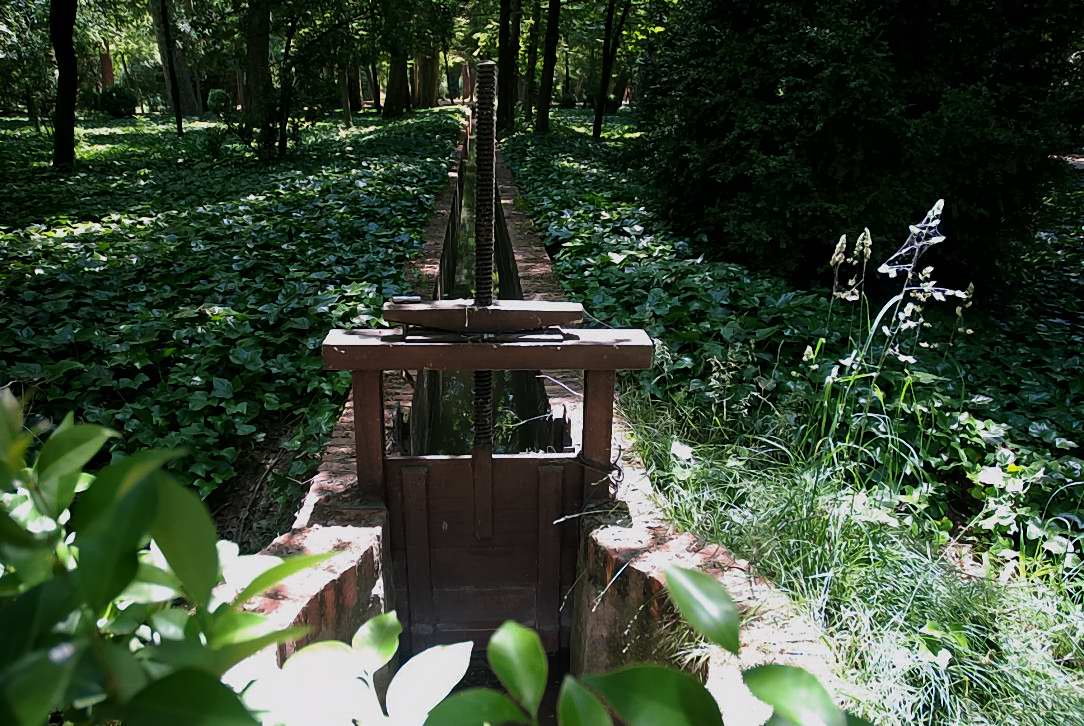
pixel 482 469
pixel 549 553
pixel 581 349
pixel 416 519
pixel 483 566
pixel 478 607
pixel 501 316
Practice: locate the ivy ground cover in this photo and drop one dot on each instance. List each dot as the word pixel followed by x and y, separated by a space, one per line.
pixel 926 507
pixel 178 291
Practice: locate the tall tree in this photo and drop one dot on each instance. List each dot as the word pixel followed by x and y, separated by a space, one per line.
pixel 105 60
pixel 344 95
pixel 397 20
pixel 173 56
pixel 610 43
pixel 532 58
pixel 549 64
pixel 62 35
pixel 374 74
pixel 355 87
pixel 507 55
pixel 260 108
pixel 286 78
pixel 170 57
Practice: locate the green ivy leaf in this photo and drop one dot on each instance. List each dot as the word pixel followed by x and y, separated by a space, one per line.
pixel 647 695
pixel 794 694
pixel 516 656
pixel 705 605
pixel 476 707
pixel 576 706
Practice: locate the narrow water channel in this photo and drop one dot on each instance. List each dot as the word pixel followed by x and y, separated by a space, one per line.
pixel 442 407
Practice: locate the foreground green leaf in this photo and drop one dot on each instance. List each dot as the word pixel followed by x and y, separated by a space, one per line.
pixel 794 694
pixel 377 640
pixel 275 574
pixel 517 658
pixel 187 698
pixel 648 695
pixel 476 707
pixel 31 687
pixel 705 605
pixel 576 706
pixel 187 537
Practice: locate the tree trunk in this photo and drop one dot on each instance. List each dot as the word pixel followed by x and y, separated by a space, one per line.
pixel 549 64
pixel 354 75
pixel 611 42
pixel 286 92
pixel 105 60
pixel 239 81
pixel 468 82
pixel 449 78
pixel 259 116
pixel 507 56
pixel 397 98
pixel 344 95
pixel 412 81
pixel 532 58
pixel 374 72
pixel 172 54
pixel 61 33
pixel 170 57
pixel 428 83
pixel 32 111
pixel 568 96
pixel 604 85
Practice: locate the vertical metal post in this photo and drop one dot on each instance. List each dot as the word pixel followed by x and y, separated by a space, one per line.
pixel 485 189
pixel 485 185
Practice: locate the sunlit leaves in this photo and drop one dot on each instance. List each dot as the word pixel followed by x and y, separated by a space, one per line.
pixel 186 302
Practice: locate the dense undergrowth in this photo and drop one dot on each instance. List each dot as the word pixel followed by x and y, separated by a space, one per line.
pixel 178 291
pixel 913 479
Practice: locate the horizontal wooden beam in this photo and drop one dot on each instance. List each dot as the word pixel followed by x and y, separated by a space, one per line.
pixel 579 349
pixel 502 316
